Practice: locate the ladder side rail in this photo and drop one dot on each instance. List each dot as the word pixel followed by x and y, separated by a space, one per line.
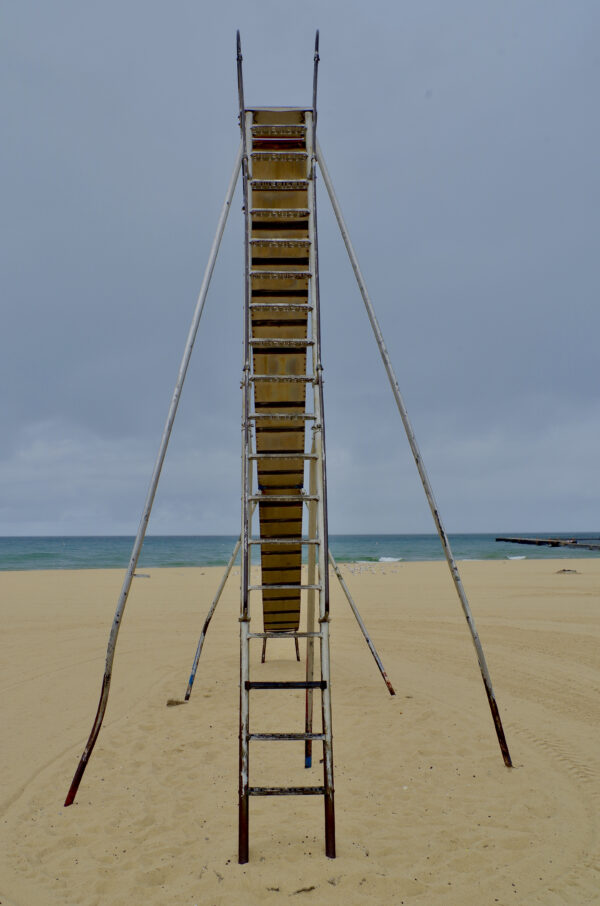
pixel 243 794
pixel 419 463
pixel 310 607
pixel 246 373
pixel 249 506
pixel 164 443
pixel 244 800
pixel 316 59
pixel 322 528
pixel 318 370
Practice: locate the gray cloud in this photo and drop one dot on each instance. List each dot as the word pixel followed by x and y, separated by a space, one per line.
pixel 463 143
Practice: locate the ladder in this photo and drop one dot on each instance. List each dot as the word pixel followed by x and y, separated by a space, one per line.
pixel 282 417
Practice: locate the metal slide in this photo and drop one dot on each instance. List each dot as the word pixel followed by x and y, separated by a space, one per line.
pixel 279 341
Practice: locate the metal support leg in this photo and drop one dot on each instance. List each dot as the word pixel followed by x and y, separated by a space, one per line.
pixel 209 617
pixel 323 563
pixel 141 532
pixel 485 675
pixel 327 746
pixel 244 811
pixel 264 650
pixel 363 628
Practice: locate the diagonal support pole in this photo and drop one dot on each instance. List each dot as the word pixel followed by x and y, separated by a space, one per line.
pixel 419 462
pixel 141 532
pixel 211 612
pixel 209 617
pixel 363 628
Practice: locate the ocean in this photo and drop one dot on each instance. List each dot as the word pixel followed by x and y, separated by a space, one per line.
pixel 112 551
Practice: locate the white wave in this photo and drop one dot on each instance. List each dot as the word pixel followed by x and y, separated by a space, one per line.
pixel 519 557
pixel 390 559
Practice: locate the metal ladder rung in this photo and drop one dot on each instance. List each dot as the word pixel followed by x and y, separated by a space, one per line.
pixel 276 321
pixel 286 378
pixel 280 275
pixel 282 456
pixel 303 416
pixel 288 541
pixel 286 790
pixel 295 587
pixel 282 498
pixel 286 684
pixel 285 294
pixel 285 635
pixel 283 341
pixel 280 306
pixel 281 243
pixel 264 737
pixel 287 156
pixel 291 260
pixel 279 185
pixel 260 129
pixel 280 213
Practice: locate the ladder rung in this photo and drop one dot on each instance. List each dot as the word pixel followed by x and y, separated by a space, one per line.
pixel 279 185
pixel 304 416
pixel 295 587
pixel 278 129
pixel 288 541
pixel 280 261
pixel 281 306
pixel 286 790
pixel 284 541
pixel 282 498
pixel 286 294
pixel 287 684
pixel 280 213
pixel 276 321
pixel 280 275
pixel 286 378
pixel 282 456
pixel 285 635
pixel 279 155
pixel 262 737
pixel 280 542
pixel 286 341
pixel 281 243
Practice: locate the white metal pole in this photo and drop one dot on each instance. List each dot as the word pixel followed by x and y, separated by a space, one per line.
pixel 418 460
pixel 362 626
pixel 209 617
pixel 141 532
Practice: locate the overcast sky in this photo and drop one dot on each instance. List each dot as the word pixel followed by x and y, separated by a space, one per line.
pixel 463 141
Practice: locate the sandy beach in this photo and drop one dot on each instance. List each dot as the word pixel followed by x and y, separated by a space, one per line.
pixel 426 811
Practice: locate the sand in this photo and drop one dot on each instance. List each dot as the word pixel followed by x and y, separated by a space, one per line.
pixel 426 811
